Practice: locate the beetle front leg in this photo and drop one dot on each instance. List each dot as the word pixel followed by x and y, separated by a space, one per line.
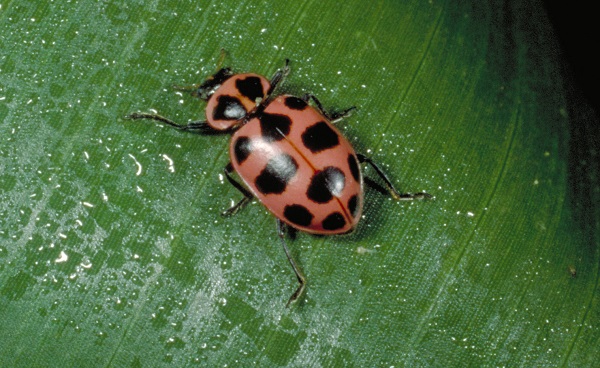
pixel 200 127
pixel 205 89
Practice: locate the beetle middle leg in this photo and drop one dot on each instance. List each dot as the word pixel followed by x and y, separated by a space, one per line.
pixel 244 201
pixel 278 77
pixel 390 187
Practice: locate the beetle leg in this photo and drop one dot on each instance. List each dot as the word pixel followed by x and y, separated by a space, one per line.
pixel 393 192
pixel 281 231
pixel 278 77
pixel 236 207
pixel 333 117
pixel 200 127
pixel 244 201
pixel 222 55
pixel 205 89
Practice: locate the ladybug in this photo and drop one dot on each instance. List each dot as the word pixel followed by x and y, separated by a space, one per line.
pixel 288 154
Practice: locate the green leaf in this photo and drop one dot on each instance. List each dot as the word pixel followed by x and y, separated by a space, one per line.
pixel 112 250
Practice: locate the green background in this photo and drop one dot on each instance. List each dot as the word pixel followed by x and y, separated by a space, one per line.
pixel 112 250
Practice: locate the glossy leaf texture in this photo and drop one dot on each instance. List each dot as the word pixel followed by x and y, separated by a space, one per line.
pixel 113 251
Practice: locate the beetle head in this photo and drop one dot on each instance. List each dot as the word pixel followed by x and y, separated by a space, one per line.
pixel 208 88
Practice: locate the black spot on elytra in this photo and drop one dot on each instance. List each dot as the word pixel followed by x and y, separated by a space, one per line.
pixel 298 214
pixel 274 127
pixel 354 167
pixel 242 149
pixel 334 221
pixel 326 184
pixel 295 103
pixel 250 87
pixel 319 137
pixel 229 108
pixel 353 205
pixel 276 175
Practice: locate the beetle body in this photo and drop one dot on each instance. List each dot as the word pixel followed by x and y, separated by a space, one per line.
pixel 288 154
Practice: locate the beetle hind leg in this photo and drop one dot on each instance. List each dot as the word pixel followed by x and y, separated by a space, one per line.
pixel 281 231
pixel 388 184
pixel 333 117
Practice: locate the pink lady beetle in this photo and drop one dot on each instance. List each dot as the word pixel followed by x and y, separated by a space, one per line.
pixel 288 154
